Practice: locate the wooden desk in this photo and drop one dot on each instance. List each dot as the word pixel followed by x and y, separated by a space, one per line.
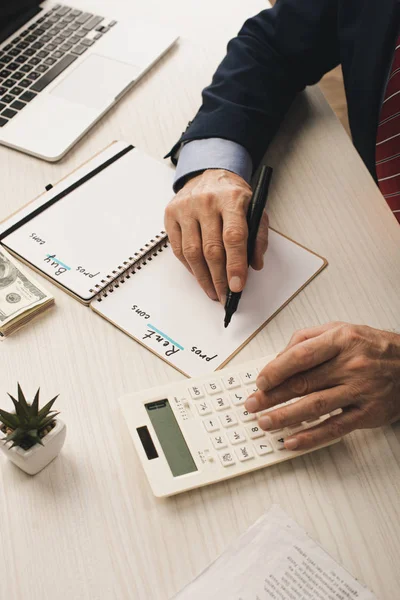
pixel 88 527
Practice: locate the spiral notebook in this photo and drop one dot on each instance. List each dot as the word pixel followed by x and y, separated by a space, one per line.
pixel 99 235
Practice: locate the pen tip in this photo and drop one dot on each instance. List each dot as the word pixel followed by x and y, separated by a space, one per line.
pixel 227 321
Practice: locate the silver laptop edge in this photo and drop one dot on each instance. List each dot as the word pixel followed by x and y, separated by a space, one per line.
pixel 106 61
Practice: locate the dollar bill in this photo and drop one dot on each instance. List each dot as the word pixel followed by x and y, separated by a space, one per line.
pixel 20 295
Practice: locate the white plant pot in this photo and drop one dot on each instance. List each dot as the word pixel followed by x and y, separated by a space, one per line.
pixel 36 458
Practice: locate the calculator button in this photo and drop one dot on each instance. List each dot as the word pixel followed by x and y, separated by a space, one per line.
pixel 235 436
pixel 213 387
pixel 263 447
pixel 238 398
pixel 278 441
pixel 204 408
pixel 231 381
pixel 254 431
pixel 227 459
pixel 220 402
pixel 248 376
pixel 228 419
pixel 244 453
pixel 211 424
pixel 196 392
pixel 219 441
pixel 251 389
pixel 245 416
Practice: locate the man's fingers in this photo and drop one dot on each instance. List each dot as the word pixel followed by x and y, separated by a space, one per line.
pixel 235 241
pixel 309 408
pixel 299 358
pixel 329 430
pixel 310 332
pixel 193 253
pixel 174 232
pixel 261 244
pixel 214 253
pixel 327 375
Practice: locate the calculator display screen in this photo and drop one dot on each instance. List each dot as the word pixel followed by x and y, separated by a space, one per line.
pixel 170 437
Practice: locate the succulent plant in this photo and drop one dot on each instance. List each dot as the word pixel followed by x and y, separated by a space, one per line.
pixel 27 425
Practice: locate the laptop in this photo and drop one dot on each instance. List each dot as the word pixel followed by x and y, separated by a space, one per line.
pixel 62 68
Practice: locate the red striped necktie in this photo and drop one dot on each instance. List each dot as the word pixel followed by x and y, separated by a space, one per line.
pixel 388 139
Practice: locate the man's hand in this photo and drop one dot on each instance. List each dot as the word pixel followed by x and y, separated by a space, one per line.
pixel 336 366
pixel 207 229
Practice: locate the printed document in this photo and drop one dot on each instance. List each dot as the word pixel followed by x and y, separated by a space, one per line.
pixel 275 559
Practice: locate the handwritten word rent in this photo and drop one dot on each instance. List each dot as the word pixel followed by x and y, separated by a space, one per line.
pixel 155 337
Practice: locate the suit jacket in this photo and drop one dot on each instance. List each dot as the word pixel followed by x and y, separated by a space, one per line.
pixel 281 51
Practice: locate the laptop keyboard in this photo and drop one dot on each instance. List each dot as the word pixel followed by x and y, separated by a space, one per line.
pixel 41 52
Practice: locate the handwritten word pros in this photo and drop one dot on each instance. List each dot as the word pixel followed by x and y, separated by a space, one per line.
pixel 202 354
pixel 87 273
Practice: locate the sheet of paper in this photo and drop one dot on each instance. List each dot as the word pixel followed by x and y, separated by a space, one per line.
pixel 275 560
pixel 163 307
pixel 90 233
pixel 32 205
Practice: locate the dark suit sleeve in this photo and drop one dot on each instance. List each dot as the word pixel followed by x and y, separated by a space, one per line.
pixel 275 55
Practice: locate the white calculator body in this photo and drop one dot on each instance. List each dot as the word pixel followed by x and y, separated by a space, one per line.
pixel 195 432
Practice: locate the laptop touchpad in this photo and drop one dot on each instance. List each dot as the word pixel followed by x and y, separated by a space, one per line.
pixel 96 81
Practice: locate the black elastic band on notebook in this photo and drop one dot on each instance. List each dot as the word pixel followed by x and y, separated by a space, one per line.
pixel 65 192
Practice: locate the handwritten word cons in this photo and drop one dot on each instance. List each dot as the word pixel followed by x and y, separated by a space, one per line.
pixel 37 239
pixel 139 312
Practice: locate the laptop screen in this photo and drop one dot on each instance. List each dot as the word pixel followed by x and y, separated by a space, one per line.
pixel 14 13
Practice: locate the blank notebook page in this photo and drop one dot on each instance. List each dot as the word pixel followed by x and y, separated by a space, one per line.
pixel 90 232
pixel 163 307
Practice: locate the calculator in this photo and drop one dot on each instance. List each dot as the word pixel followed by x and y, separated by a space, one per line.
pixel 197 431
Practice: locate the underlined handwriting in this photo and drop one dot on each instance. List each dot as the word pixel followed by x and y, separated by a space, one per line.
pixel 170 347
pixel 59 267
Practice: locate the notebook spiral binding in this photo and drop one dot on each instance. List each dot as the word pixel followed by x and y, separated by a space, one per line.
pixel 130 266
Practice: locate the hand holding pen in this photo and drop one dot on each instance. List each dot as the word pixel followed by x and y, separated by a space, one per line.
pixel 207 229
pixel 254 214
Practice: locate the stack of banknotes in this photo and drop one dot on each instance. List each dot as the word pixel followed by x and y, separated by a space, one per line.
pixel 21 297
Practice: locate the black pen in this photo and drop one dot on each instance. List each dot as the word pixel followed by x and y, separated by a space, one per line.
pixel 254 213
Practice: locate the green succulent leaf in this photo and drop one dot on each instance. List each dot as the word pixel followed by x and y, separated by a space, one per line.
pixel 22 401
pixel 28 420
pixel 16 435
pixel 19 408
pixel 46 409
pixel 48 421
pixel 35 439
pixel 8 419
pixel 34 409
